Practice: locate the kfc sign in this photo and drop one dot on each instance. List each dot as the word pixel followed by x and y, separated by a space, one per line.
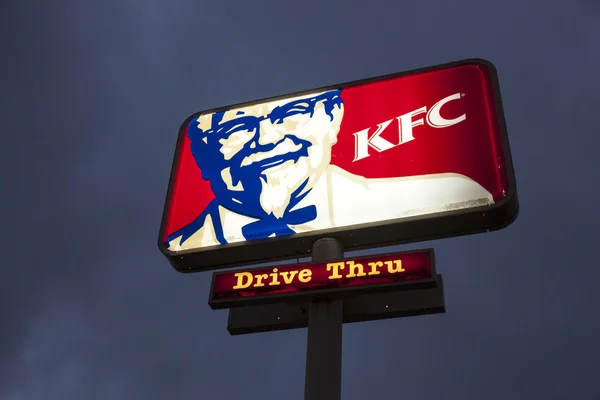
pixel 395 159
pixel 305 282
pixel 364 140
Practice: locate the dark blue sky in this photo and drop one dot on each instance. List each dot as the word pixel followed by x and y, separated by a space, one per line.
pixel 92 96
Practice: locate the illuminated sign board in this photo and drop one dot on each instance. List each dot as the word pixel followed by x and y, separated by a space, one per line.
pixel 395 159
pixel 331 278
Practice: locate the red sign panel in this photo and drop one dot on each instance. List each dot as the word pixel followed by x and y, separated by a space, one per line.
pixel 302 281
pixel 401 158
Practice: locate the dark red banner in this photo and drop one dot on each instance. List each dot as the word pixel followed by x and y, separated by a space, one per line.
pixel 243 287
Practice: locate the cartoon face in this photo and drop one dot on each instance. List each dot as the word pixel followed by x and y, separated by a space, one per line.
pixel 261 157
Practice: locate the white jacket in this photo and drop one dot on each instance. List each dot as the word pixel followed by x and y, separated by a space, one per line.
pixel 343 199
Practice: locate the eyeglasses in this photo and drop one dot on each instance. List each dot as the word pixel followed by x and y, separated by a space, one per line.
pixel 277 116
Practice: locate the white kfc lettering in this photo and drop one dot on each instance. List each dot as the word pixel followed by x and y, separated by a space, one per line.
pixel 435 120
pixel 363 141
pixel 405 128
pixel 406 125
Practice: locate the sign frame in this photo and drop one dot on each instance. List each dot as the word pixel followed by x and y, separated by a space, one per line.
pixel 361 236
pixel 330 293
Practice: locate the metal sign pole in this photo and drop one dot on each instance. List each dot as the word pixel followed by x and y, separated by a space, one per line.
pixel 324 342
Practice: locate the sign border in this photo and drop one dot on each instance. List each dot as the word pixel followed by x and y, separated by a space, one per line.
pixel 360 236
pixel 339 292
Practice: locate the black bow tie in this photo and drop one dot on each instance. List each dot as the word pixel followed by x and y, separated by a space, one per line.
pixel 269 225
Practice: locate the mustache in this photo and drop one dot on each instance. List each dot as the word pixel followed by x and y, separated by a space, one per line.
pixel 286 146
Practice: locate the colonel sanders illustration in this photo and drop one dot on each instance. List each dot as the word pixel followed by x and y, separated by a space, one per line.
pixel 269 167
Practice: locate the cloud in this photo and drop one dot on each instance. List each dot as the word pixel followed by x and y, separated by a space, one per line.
pixel 91 309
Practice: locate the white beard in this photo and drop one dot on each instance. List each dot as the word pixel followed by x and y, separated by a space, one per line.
pixel 275 198
pixel 279 185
